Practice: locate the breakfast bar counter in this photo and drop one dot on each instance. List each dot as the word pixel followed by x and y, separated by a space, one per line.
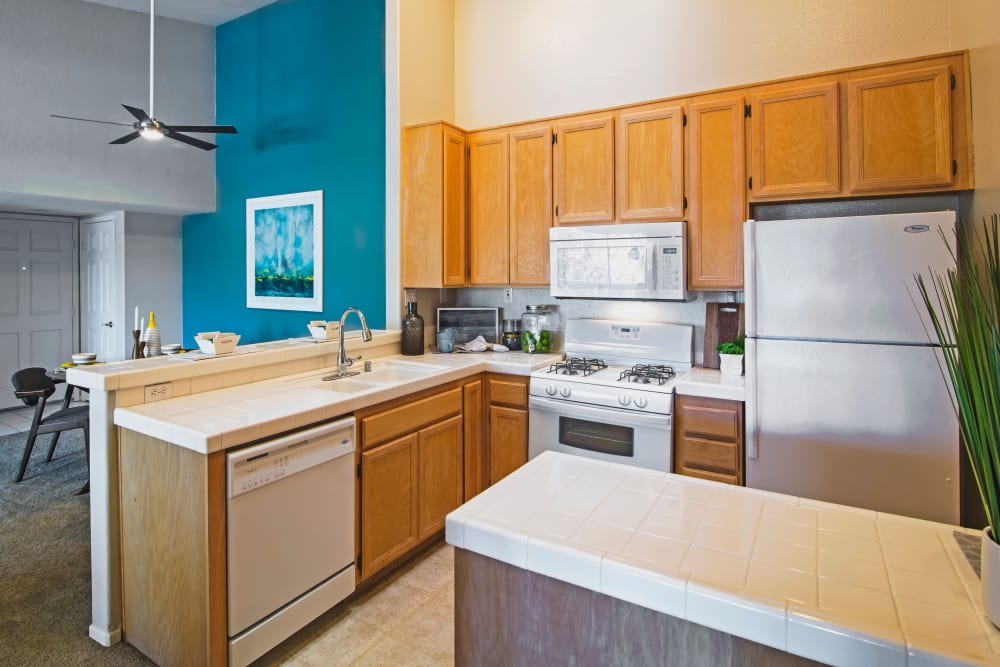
pixel 818 581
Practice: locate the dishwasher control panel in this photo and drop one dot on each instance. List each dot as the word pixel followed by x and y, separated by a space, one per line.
pixel 268 462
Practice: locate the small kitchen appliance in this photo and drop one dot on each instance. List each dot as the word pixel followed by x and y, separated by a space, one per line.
pixel 644 261
pixel 612 397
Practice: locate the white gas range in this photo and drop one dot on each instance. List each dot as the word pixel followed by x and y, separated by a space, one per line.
pixel 612 398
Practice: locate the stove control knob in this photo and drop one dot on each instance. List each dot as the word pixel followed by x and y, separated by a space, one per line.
pixel 624 399
pixel 550 390
pixel 564 392
pixel 640 402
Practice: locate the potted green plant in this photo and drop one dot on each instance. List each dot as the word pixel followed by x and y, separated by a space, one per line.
pixel 731 357
pixel 964 309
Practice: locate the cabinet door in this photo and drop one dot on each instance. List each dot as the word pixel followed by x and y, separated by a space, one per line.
pixel 530 205
pixel 717 187
pixel 453 230
pixel 900 129
pixel 421 242
pixel 649 164
pixel 709 439
pixel 439 474
pixel 488 198
pixel 585 172
pixel 508 441
pixel 795 141
pixel 388 503
pixel 472 426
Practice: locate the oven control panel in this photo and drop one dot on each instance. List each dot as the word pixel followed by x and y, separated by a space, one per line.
pixel 622 398
pixel 625 331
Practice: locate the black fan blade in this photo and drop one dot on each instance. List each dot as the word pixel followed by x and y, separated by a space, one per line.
pixel 139 114
pixel 191 141
pixel 90 120
pixel 212 129
pixel 127 138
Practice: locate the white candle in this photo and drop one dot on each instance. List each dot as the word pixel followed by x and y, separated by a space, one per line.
pixel 135 324
pixel 142 324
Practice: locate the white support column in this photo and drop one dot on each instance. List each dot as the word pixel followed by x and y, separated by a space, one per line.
pixel 105 537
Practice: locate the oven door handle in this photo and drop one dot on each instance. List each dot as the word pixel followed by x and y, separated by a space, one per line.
pixel 597 413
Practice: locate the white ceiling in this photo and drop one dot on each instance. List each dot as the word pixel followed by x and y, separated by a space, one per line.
pixel 208 12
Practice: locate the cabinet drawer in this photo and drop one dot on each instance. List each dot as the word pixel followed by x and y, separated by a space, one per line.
pixel 407 418
pixel 717 422
pixel 714 476
pixel 709 455
pixel 508 392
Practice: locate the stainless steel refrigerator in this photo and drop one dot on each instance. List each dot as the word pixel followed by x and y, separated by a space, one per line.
pixel 845 401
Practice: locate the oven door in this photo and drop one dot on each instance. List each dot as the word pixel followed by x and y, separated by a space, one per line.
pixel 619 436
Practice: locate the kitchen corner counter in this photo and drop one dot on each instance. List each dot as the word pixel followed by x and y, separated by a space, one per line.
pixel 215 420
pixel 835 584
pixel 711 383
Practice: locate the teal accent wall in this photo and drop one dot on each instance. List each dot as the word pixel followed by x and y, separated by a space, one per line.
pixel 303 81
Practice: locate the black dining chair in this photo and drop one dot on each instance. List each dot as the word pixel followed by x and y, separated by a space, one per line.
pixel 34 387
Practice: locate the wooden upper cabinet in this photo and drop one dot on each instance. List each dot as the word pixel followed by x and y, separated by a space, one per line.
pixel 488 200
pixel 717 188
pixel 649 163
pixel 907 127
pixel 584 170
pixel 530 204
pixel 432 230
pixel 795 140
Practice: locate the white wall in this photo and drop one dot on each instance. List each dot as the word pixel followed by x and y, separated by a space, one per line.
pixel 426 61
pixel 153 272
pixel 81 59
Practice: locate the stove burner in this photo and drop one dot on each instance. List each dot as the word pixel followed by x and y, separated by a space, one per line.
pixel 577 366
pixel 647 374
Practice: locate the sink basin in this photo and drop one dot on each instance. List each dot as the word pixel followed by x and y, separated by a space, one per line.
pixel 401 371
pixel 347 386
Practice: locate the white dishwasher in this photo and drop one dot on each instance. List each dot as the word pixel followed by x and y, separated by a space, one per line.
pixel 290 557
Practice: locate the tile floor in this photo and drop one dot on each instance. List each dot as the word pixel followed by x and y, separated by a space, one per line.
pixel 407 619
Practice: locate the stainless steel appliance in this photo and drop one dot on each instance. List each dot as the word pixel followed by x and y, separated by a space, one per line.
pixel 612 398
pixel 290 534
pixel 845 401
pixel 644 261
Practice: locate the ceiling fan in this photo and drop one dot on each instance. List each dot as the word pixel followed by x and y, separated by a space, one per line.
pixel 146 125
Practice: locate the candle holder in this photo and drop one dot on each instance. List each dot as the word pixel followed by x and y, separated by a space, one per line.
pixel 138 346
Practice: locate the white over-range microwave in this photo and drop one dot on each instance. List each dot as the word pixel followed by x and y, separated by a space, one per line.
pixel 645 261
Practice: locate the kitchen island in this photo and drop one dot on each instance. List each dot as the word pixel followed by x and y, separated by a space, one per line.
pixel 704 573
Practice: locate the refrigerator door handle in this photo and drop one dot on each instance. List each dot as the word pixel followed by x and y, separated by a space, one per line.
pixel 752 421
pixel 749 271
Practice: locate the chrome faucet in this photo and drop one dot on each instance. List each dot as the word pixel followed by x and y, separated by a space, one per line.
pixel 343 361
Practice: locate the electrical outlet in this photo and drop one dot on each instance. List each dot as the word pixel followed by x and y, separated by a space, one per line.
pixel 508 295
pixel 158 392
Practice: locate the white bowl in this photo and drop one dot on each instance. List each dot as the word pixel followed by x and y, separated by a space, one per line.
pixel 84 358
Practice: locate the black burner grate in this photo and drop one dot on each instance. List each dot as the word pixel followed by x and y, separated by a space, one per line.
pixel 577 366
pixel 647 374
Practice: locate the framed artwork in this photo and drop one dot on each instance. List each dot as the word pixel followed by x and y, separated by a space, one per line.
pixel 285 252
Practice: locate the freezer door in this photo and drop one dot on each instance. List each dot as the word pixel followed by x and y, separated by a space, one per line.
pixel 864 425
pixel 842 278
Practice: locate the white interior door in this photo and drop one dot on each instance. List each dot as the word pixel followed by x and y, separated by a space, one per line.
pixel 36 297
pixel 103 328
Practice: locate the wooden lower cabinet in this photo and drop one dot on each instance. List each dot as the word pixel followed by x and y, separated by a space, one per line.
pixel 507 438
pixel 439 474
pixel 708 438
pixel 388 502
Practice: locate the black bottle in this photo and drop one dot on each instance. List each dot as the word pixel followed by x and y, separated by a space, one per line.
pixel 413 331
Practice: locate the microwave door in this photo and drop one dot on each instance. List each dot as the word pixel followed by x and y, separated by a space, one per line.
pixel 580 269
pixel 632 271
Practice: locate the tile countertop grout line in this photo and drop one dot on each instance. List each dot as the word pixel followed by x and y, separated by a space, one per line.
pixel 814 630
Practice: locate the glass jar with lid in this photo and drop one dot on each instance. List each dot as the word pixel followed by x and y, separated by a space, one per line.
pixel 541 330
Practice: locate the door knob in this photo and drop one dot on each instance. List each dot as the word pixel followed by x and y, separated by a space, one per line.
pixel 108 324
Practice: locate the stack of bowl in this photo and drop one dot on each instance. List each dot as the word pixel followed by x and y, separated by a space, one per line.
pixel 84 358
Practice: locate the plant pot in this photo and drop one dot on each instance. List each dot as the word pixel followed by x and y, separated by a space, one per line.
pixel 731 364
pixel 990 576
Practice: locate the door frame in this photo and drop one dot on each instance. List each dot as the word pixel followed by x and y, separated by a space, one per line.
pixel 118 217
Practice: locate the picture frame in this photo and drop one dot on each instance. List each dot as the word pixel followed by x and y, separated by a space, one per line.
pixel 285 252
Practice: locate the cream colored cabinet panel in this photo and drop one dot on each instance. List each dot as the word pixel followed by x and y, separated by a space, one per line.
pixel 530 204
pixel 716 184
pixel 649 164
pixel 900 129
pixel 795 140
pixel 585 172
pixel 488 195
pixel 454 210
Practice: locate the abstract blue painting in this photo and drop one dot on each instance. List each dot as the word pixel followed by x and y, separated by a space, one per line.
pixel 285 252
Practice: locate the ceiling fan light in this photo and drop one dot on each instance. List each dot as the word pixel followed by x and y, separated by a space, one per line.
pixel 151 133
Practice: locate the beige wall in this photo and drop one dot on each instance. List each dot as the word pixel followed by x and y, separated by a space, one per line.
pixel 426 61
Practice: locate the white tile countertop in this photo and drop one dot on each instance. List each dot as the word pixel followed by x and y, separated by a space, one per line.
pixel 711 383
pixel 831 583
pixel 215 420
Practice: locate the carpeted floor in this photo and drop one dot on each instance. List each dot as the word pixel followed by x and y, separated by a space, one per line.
pixel 45 559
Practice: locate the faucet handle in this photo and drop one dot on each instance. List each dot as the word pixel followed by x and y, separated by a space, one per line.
pixel 351 360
